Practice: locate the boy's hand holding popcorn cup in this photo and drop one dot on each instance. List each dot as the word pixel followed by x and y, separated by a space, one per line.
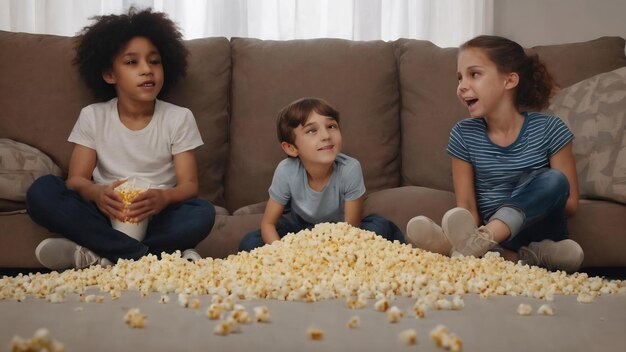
pixel 134 223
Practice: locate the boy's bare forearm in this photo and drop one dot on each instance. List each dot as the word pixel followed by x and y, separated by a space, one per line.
pixel 181 192
pixel 269 233
pixel 86 188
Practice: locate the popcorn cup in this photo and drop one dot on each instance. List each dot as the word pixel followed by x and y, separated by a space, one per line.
pixel 136 230
pixel 127 191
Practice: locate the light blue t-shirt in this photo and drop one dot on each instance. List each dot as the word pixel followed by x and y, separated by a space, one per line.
pixel 497 170
pixel 290 187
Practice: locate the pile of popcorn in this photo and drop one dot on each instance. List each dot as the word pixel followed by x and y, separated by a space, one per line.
pixel 330 261
pixel 42 340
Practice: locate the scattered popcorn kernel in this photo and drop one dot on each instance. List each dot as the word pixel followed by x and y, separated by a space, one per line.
pixel 183 300
pixel 354 322
pixel 381 305
pixel 437 335
pixel 234 325
pixel 115 294
pixel 445 339
pixel 229 302
pixel 585 298
pixel 42 340
pixel 99 299
pixel 134 318
pixel 408 337
pixel 222 329
pixel 315 333
pixel 90 298
pixel 214 312
pixel 546 309
pixel 194 303
pixel 355 303
pixel 419 310
pixel 164 299
pixel 261 314
pixel 240 316
pixel 56 297
pixel 524 309
pixel 394 314
pixel 443 304
pixel 458 303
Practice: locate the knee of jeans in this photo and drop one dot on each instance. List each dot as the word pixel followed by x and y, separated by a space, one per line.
pixel 208 208
pixel 40 189
pixel 250 241
pixel 205 210
pixel 557 181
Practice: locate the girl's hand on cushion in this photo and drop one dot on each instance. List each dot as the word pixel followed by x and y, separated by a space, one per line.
pixel 146 204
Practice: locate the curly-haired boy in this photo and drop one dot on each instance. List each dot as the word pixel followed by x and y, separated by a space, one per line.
pixel 128 61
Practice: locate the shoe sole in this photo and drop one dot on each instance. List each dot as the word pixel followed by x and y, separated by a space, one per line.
pixel 436 241
pixel 462 224
pixel 191 255
pixel 42 245
pixel 567 246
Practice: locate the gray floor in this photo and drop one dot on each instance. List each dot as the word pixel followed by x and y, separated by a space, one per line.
pixel 484 325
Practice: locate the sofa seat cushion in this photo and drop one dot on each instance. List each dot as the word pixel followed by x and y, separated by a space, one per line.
pixel 400 204
pixel 598 226
pixel 359 79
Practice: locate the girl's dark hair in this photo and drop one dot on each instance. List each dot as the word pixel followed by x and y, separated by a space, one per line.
pixel 297 113
pixel 536 86
pixel 99 43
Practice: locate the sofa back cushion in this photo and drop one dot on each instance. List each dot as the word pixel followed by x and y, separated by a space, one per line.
pixel 359 79
pixel 205 91
pixel 430 107
pixel 41 95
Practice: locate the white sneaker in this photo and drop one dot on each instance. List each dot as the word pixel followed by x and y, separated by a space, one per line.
pixel 61 254
pixel 458 226
pixel 565 255
pixel 191 255
pixel 422 232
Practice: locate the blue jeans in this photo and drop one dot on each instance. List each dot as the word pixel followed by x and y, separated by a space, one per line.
pixel 537 211
pixel 291 223
pixel 61 210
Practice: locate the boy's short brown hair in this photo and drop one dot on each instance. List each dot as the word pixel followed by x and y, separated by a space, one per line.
pixel 297 113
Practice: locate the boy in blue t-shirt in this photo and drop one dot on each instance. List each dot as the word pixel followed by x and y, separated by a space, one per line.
pixel 317 183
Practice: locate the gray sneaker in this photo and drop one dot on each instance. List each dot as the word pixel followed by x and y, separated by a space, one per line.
pixel 565 255
pixel 191 255
pixel 458 226
pixel 422 232
pixel 61 254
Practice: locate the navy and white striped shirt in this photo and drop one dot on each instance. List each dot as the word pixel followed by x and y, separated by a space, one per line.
pixel 497 170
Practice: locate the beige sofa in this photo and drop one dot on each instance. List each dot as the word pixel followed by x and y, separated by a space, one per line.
pixel 397 103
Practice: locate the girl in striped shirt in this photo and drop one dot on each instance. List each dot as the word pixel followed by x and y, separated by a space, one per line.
pixel 513 169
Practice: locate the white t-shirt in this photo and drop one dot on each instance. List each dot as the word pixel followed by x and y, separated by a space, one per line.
pixel 146 153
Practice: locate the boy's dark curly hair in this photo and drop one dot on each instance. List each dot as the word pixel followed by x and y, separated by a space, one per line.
pixel 99 43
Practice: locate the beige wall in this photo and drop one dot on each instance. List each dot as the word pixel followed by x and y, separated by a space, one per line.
pixel 538 22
